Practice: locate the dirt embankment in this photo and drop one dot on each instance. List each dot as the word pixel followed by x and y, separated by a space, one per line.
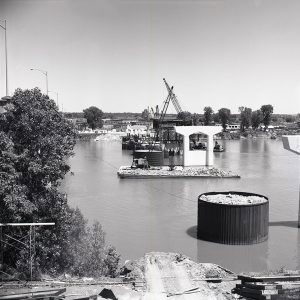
pixel 165 275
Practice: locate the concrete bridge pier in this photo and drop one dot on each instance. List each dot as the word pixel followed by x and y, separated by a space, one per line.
pixel 197 157
pixel 292 143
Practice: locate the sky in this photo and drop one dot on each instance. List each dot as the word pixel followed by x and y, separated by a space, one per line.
pixel 114 54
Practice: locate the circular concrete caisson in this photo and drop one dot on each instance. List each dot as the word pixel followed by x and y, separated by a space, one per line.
pixel 235 218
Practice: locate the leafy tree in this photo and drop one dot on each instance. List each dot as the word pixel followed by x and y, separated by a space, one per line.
pixel 94 117
pixel 266 111
pixel 208 115
pixel 186 117
pixel 216 118
pixel 245 116
pixel 256 119
pixel 197 119
pixel 111 260
pixel 35 143
pixel 145 115
pixel 224 115
pixel 290 119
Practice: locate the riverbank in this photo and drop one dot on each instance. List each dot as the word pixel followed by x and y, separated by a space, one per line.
pixel 178 172
pixel 157 276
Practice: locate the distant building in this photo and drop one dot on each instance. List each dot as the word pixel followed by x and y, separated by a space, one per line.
pixel 79 123
pixel 233 126
pixel 140 130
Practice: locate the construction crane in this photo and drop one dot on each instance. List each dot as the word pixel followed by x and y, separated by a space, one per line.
pixel 171 97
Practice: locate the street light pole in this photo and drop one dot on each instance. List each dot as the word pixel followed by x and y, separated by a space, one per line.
pixel 56 96
pixel 46 75
pixel 6 68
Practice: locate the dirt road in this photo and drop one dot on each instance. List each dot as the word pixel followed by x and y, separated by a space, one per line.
pixel 167 279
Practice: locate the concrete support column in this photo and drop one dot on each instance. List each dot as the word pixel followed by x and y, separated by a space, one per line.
pixel 186 148
pixel 210 150
pixel 292 143
pixel 299 210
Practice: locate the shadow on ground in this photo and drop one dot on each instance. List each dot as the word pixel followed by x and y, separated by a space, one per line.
pixel 292 224
pixel 192 232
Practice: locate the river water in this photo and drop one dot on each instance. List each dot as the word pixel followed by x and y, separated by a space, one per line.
pixel 145 215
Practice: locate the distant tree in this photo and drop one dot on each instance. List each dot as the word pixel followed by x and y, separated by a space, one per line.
pixel 256 119
pixel 266 111
pixel 224 115
pixel 290 119
pixel 197 119
pixel 186 117
pixel 208 115
pixel 94 117
pixel 245 117
pixel 146 115
pixel 216 117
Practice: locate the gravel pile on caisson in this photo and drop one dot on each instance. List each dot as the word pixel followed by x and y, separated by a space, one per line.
pixel 233 199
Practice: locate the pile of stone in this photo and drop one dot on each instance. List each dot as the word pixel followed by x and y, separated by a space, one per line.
pixel 164 171
pixel 108 137
pixel 233 199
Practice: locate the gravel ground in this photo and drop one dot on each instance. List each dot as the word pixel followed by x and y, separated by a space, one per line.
pixel 126 171
pixel 233 199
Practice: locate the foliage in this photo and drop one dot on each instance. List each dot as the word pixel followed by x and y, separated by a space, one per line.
pixel 35 142
pixel 146 115
pixel 266 111
pixel 208 115
pixel 186 117
pixel 216 118
pixel 197 119
pixel 224 115
pixel 94 117
pixel 256 119
pixel 245 117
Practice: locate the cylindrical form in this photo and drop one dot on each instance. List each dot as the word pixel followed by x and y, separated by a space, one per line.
pixel 233 223
pixel 154 157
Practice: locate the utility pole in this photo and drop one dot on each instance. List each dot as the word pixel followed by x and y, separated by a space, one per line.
pixel 30 246
pixel 46 75
pixel 6 67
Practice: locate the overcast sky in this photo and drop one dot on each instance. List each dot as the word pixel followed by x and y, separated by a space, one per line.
pixel 115 54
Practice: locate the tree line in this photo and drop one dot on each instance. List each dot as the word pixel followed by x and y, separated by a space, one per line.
pixel 247 117
pixel 36 141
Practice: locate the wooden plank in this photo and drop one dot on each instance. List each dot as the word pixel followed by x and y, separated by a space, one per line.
pixel 289 291
pixel 33 294
pixel 252 296
pixel 263 286
pixel 268 278
pixel 257 292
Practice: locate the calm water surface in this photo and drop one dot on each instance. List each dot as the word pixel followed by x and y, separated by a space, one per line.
pixel 161 214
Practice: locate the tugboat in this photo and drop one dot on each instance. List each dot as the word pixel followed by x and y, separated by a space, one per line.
pixel 218 147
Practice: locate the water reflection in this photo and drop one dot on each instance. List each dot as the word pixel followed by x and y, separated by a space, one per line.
pixel 153 215
pixel 234 257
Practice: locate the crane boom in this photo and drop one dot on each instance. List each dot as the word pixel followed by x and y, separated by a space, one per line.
pixel 173 98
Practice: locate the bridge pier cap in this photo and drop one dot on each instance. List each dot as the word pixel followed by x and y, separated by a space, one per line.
pixel 197 157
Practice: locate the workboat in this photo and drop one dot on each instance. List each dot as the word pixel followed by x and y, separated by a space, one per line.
pixel 219 148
